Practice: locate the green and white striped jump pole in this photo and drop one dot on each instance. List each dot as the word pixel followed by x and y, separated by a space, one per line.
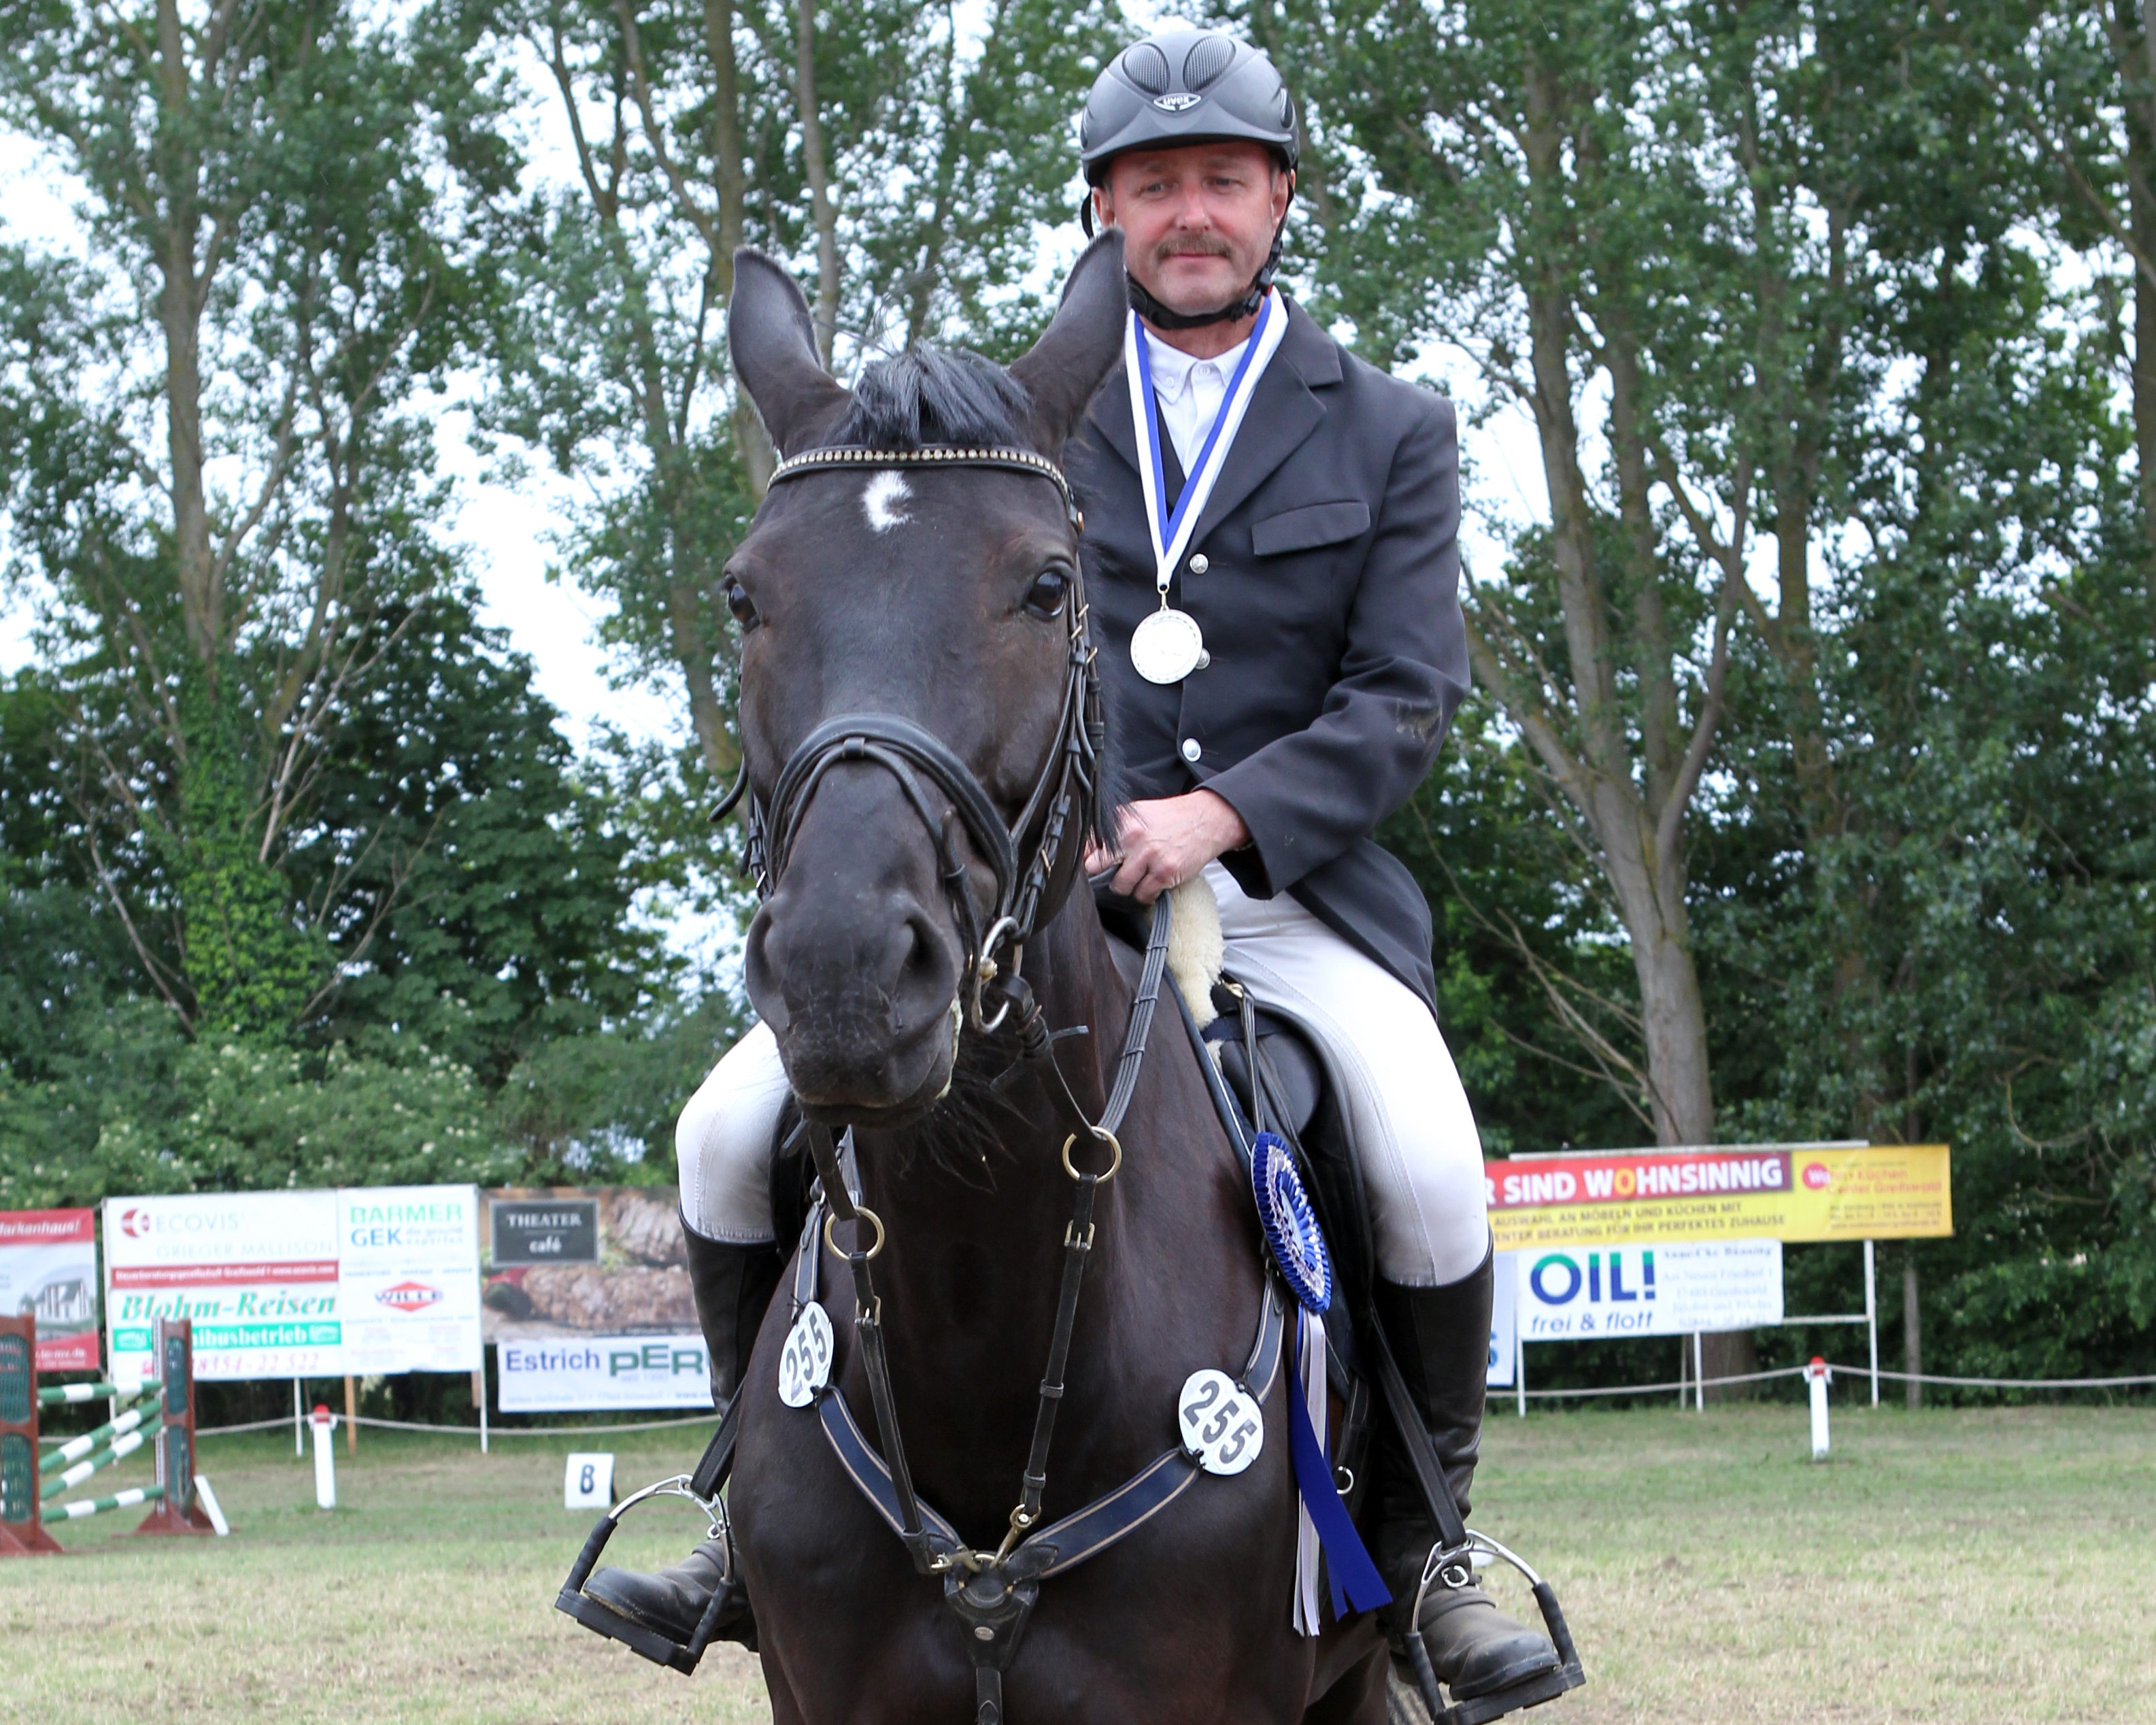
pixel 60 1395
pixel 75 1449
pixel 96 1506
pixel 118 1449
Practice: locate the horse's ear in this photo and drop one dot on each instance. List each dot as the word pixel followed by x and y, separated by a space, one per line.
pixel 1080 344
pixel 773 344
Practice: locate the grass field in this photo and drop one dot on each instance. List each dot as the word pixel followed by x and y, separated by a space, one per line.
pixel 1950 1566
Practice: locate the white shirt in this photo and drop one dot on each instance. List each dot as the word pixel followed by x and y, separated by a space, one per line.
pixel 1190 390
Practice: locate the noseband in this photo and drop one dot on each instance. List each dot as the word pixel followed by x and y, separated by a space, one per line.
pixel 1023 855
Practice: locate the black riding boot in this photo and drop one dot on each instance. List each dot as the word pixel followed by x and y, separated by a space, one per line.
pixel 1442 1338
pixel 733 1287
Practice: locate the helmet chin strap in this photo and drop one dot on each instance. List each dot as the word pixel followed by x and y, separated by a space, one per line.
pixel 1166 317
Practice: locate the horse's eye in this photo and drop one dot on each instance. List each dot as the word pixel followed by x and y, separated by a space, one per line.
pixel 739 602
pixel 1045 597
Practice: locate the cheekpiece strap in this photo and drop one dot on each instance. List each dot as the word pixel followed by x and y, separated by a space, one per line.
pixel 862 455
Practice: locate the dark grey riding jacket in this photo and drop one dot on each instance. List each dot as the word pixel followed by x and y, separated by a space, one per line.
pixel 1325 573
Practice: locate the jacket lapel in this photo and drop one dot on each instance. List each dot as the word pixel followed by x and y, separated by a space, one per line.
pixel 1111 414
pixel 1282 414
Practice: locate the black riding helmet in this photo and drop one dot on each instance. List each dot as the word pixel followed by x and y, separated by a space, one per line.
pixel 1188 87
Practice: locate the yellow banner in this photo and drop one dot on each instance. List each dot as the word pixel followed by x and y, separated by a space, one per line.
pixel 1789 1192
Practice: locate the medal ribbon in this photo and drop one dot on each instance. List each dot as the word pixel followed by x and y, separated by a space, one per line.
pixel 1172 528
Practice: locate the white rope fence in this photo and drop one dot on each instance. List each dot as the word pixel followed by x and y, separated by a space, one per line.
pixel 1688 1384
pixel 1670 1387
pixel 284 1423
pixel 2147 1377
pixel 1685 1385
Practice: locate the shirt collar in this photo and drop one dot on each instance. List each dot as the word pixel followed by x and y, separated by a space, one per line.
pixel 1172 367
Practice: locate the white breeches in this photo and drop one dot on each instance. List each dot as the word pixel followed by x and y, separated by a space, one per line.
pixel 1422 1155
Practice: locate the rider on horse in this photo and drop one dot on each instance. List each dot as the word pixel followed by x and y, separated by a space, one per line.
pixel 1275 590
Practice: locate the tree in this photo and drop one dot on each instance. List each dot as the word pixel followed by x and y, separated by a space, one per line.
pixel 1511 170
pixel 910 179
pixel 215 461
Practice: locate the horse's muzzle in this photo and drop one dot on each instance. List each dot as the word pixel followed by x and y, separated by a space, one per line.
pixel 857 988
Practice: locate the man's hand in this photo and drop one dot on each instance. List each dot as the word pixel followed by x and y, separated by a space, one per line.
pixel 1167 841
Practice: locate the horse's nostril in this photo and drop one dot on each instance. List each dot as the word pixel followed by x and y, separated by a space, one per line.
pixel 921 985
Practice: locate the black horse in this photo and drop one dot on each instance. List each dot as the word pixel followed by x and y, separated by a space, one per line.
pixel 944 599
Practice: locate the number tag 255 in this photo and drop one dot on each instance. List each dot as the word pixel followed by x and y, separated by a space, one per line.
pixel 804 1363
pixel 1220 1424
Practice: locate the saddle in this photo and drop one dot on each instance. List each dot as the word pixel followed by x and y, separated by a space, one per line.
pixel 1266 1074
pixel 1269 1074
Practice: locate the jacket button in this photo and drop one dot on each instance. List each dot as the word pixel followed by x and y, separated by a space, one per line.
pixel 1204 659
pixel 1191 752
pixel 1200 563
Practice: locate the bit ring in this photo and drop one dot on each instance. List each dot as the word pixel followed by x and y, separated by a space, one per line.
pixel 1113 1165
pixel 862 1213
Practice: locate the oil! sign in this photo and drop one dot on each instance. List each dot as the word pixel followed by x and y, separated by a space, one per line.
pixel 1588 1295
pixel 1787 1192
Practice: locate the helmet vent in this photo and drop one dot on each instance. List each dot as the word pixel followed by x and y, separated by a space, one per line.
pixel 1209 56
pixel 1146 67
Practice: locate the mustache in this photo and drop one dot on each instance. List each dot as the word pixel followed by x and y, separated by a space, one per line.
pixel 1206 245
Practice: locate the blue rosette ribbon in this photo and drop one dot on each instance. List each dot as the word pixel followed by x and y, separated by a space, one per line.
pixel 1297 1244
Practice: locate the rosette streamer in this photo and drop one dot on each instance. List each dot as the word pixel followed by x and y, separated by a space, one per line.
pixel 1322 1520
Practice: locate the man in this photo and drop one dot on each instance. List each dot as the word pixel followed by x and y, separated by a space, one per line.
pixel 1271 559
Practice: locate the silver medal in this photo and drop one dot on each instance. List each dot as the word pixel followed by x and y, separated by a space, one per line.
pixel 804 1363
pixel 1166 647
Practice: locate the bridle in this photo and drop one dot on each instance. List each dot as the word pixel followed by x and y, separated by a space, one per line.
pixel 1034 861
pixel 1026 857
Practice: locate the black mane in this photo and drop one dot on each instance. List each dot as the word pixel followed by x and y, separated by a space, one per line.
pixel 933 395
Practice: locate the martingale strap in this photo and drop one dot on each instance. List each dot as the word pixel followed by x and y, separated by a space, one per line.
pixel 1084 1533
pixel 993 1593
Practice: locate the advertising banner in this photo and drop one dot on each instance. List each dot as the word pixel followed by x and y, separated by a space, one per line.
pixel 49 1268
pixel 1784 1191
pixel 298 1284
pixel 1592 1295
pixel 599 1276
pixel 1504 1323
pixel 407 1278
pixel 257 1271
pixel 547 1375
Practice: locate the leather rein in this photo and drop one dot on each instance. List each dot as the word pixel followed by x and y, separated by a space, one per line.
pixel 991 1593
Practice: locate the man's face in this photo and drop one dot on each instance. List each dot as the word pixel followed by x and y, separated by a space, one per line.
pixel 1197 220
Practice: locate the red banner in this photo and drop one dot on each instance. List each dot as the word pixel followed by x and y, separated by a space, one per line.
pixel 47 1227
pixel 1622 1179
pixel 48 1266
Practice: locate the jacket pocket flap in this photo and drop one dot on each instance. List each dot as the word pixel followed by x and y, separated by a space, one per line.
pixel 1312 524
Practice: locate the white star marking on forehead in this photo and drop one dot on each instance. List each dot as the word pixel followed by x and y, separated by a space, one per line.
pixel 881 498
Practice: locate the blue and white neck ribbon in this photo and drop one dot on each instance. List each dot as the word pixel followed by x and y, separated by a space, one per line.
pixel 1172 528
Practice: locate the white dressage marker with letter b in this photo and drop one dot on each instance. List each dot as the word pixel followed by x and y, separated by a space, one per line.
pixel 589 1483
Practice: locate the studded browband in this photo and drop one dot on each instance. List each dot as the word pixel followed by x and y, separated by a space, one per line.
pixel 1015 460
